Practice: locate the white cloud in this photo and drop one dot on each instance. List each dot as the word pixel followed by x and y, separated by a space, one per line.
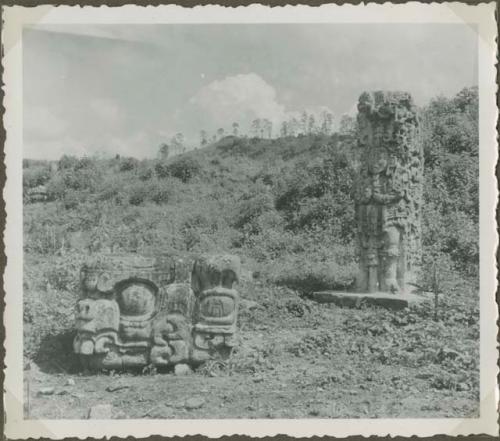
pixel 239 98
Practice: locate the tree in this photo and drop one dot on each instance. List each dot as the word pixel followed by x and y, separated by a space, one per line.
pixel 220 133
pixel 203 137
pixel 326 122
pixel 284 129
pixel 347 125
pixel 303 122
pixel 177 143
pixel 267 128
pixel 329 122
pixel 293 127
pixel 163 151
pixel 256 127
pixel 236 128
pixel 311 124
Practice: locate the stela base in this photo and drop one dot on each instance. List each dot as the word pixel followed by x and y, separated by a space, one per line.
pixel 356 300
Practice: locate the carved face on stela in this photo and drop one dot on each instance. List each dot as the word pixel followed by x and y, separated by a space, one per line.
pixel 380 116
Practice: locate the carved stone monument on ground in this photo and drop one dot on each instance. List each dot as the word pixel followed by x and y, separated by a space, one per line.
pixel 138 311
pixel 389 192
pixel 388 198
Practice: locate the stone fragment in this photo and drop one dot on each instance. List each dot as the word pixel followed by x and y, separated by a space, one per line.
pixel 101 412
pixel 116 387
pixel 46 391
pixel 194 403
pixel 160 411
pixel 356 300
pixel 70 382
pixel 248 304
pixel 182 369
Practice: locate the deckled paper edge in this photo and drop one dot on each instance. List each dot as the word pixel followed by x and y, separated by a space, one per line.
pixel 15 17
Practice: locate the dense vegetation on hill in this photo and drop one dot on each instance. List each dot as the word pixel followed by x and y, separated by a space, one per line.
pixel 283 205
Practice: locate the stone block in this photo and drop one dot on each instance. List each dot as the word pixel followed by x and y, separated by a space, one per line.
pixel 356 300
pixel 138 310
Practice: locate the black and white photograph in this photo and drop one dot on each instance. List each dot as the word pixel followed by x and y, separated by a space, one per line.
pixel 263 220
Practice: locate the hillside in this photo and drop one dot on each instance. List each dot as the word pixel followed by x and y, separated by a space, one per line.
pixel 285 207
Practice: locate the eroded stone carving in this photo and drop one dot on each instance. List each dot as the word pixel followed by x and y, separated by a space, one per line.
pixel 388 192
pixel 216 306
pixel 138 311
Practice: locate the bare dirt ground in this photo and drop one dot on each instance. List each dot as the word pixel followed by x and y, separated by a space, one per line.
pixel 295 359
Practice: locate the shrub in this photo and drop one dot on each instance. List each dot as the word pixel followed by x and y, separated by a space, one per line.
pixel 138 194
pixel 35 176
pixel 128 164
pixel 162 170
pixel 161 192
pixel 67 162
pixel 145 172
pixel 184 168
pixel 71 199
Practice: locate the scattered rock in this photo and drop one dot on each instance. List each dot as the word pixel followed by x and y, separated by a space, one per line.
pixel 447 353
pixel 161 411
pixel 248 304
pixel 46 391
pixel 70 382
pixel 101 412
pixel 424 375
pixel 462 387
pixel 182 369
pixel 117 387
pixel 194 403
pixel 322 411
pixel 276 414
pixel 62 392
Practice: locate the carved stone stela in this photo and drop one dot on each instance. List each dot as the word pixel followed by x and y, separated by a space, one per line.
pixel 138 311
pixel 388 192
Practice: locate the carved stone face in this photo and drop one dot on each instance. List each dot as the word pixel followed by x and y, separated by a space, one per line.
pixel 219 271
pixel 93 316
pixel 137 300
pixel 218 306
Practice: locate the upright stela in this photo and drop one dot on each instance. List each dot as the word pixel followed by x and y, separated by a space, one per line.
pixel 388 197
pixel 388 193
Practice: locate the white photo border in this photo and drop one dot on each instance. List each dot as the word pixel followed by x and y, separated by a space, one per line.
pixel 16 17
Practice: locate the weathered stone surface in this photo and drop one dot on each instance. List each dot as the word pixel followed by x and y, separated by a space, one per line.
pixel 356 300
pixel 182 369
pixel 215 271
pixel 388 192
pixel 194 403
pixel 216 307
pixel 46 391
pixel 38 194
pixel 138 311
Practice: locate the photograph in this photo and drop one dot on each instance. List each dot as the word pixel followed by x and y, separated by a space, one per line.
pixel 251 216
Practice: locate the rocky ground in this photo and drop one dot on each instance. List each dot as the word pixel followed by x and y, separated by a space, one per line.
pixel 295 359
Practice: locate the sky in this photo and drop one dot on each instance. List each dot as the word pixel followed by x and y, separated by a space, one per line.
pixel 125 89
